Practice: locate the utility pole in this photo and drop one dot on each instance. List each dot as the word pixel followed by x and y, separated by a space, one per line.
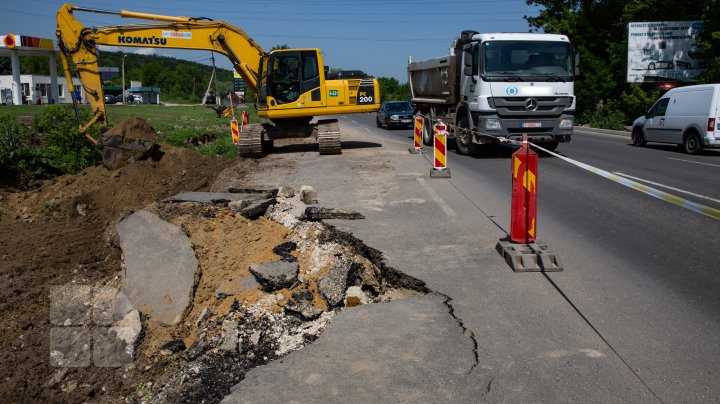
pixel 122 55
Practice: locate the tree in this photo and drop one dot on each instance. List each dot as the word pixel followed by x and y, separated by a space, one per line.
pixel 598 30
pixel 392 90
pixel 709 41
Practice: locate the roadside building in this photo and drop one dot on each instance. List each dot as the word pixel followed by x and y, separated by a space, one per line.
pixel 36 89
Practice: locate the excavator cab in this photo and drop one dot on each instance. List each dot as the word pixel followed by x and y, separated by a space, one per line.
pixel 287 75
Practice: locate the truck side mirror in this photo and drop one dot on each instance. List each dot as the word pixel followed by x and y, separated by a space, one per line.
pixel 577 63
pixel 467 63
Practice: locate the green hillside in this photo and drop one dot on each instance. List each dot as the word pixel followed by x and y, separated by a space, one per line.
pixel 179 80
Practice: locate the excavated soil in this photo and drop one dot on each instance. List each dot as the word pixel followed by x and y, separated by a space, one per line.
pixel 62 234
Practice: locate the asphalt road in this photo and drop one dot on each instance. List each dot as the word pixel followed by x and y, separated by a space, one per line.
pixel 641 272
pixel 632 318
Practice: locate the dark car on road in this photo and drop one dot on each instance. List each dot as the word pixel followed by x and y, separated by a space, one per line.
pixel 394 114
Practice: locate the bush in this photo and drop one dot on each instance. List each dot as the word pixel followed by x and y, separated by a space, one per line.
pixel 64 148
pixel 21 160
pixel 606 118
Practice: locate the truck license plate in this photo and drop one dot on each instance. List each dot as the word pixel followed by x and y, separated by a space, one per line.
pixel 531 125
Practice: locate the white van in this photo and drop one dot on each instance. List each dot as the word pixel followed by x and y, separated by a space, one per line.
pixel 687 116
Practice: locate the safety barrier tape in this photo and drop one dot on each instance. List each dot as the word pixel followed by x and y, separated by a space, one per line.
pixel 656 193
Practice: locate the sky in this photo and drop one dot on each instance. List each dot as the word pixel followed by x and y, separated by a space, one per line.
pixel 376 36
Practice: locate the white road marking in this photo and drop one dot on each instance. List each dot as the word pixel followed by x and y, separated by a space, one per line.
pixel 353 121
pixel 367 130
pixel 694 162
pixel 444 206
pixel 655 193
pixel 657 184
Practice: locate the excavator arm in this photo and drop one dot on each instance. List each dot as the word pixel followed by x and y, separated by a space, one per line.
pixel 78 44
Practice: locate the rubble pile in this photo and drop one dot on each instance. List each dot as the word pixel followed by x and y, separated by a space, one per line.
pixel 249 307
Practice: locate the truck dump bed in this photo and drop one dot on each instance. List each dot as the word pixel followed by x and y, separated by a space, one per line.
pixel 435 80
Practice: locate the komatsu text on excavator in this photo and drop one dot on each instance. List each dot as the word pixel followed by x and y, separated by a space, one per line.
pixel 290 84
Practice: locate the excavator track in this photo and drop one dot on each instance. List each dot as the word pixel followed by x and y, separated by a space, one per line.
pixel 250 144
pixel 328 132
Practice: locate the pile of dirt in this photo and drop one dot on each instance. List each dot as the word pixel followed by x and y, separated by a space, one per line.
pixel 55 235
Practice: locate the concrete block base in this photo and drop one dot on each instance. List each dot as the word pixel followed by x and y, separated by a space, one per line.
pixel 533 257
pixel 440 173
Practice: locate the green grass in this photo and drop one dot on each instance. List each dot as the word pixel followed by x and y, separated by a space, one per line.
pixel 192 126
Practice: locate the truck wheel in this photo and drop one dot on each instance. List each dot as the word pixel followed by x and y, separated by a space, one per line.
pixel 638 138
pixel 692 143
pixel 463 138
pixel 427 132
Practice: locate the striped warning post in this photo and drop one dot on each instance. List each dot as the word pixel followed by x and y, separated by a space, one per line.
pixel 244 116
pixel 523 208
pixel 234 131
pixel 417 138
pixel 440 169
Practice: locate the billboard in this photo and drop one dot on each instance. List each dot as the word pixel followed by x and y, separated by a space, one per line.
pixel 664 51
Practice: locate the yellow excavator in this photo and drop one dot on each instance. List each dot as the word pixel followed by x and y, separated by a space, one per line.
pixel 290 84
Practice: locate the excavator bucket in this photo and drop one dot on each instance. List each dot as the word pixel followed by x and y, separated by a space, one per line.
pixel 130 140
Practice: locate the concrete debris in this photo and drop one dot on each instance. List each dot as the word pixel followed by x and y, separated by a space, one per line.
pixel 284 250
pixel 231 339
pixel 160 266
pixel 275 275
pixel 302 306
pixel 286 191
pixel 355 296
pixel 317 213
pixel 239 205
pixel 257 209
pixel 308 195
pixel 334 284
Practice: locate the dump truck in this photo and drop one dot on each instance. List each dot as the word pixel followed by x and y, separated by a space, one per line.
pixel 291 85
pixel 497 86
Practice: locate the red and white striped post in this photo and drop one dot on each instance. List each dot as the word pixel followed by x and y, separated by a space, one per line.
pixel 234 131
pixel 245 118
pixel 523 210
pixel 440 169
pixel 417 136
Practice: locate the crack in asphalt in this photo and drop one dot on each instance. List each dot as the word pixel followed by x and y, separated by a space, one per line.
pixel 466 330
pixel 488 387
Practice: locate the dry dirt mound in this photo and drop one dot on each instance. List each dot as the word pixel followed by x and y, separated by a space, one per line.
pixel 133 128
pixel 55 236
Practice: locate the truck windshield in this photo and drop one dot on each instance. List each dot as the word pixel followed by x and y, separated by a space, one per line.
pixel 527 60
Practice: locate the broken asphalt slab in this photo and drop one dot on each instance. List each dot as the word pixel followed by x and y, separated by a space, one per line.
pixel 159 266
pixel 407 350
